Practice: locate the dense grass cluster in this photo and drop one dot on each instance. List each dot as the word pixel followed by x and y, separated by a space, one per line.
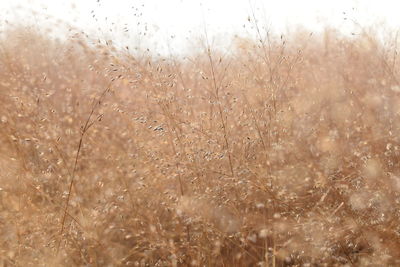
pixel 281 152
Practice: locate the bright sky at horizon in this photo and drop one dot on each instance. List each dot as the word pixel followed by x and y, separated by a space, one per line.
pixel 176 22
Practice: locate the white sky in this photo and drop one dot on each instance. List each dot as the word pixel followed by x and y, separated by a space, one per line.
pixel 183 19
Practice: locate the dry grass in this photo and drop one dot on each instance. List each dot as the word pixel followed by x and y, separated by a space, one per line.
pixel 283 152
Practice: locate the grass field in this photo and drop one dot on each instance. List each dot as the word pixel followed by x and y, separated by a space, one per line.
pixel 283 151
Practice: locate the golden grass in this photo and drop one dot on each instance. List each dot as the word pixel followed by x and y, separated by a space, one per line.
pixel 279 153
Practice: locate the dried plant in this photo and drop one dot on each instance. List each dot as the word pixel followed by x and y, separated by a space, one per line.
pixel 283 151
